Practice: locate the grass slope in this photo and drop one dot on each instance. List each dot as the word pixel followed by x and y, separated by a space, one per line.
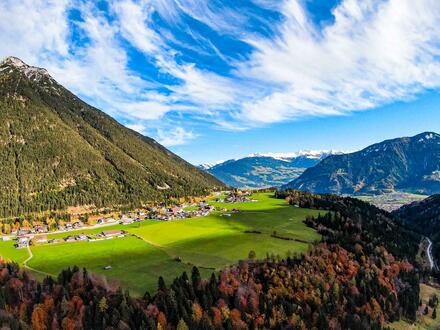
pixel 424 322
pixel 211 243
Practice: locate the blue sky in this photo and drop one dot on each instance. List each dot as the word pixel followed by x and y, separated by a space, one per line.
pixel 214 80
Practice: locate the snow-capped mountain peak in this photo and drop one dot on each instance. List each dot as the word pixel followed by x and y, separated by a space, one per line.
pixel 287 156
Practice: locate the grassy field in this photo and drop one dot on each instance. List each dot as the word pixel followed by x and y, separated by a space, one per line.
pixel 210 242
pixel 10 253
pixel 135 264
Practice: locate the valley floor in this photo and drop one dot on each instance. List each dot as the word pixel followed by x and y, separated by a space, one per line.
pixel 167 248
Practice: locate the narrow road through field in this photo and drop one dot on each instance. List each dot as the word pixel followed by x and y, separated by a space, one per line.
pixel 429 253
pixel 33 269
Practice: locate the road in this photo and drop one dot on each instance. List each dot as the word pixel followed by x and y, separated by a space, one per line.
pixel 429 253
pixel 33 269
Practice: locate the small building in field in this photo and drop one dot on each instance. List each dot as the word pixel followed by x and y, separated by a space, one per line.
pixel 126 221
pixel 41 229
pixel 24 231
pixel 23 239
pixel 41 239
pixel 77 224
pixel 82 237
pixel 70 239
pixel 113 233
pixel 55 241
pixel 22 242
pixel 22 245
pixel 174 210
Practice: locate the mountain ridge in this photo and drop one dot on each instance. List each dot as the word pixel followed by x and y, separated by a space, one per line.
pixel 72 153
pixel 410 164
pixel 261 170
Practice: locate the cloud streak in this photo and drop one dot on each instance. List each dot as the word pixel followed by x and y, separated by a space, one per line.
pixel 374 53
pixel 234 68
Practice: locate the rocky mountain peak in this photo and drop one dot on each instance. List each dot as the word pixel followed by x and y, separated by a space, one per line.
pixel 31 72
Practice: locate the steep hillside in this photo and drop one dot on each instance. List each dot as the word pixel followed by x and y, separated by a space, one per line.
pixel 261 171
pixel 410 164
pixel 423 217
pixel 56 151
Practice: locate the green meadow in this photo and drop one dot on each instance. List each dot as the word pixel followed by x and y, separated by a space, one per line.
pixel 211 243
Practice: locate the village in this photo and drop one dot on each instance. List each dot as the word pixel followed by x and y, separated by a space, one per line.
pixel 36 235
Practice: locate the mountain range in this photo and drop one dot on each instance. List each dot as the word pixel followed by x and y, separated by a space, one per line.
pixel 57 151
pixel 409 164
pixel 265 170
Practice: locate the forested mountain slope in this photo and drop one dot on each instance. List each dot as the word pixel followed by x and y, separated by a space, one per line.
pixel 409 164
pixel 423 217
pixel 56 151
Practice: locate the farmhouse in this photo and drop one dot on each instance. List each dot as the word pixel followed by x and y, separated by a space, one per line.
pixel 22 245
pixel 113 233
pixel 22 242
pixel 54 241
pixel 41 228
pixel 24 231
pixel 70 239
pixel 41 239
pixel 174 210
pixel 82 237
pixel 126 221
pixel 77 224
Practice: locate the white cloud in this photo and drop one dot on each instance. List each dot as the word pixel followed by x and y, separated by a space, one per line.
pixel 219 18
pixel 32 28
pixel 175 136
pixel 138 128
pixel 135 20
pixel 145 110
pixel 375 52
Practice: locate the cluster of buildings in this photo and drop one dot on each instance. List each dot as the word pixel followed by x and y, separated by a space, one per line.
pixel 37 229
pixel 178 212
pixel 26 235
pixel 235 197
pixel 71 226
pixel 25 241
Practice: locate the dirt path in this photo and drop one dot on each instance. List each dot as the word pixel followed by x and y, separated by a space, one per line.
pixel 33 269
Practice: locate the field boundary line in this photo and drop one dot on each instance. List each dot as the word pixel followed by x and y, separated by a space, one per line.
pixel 149 242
